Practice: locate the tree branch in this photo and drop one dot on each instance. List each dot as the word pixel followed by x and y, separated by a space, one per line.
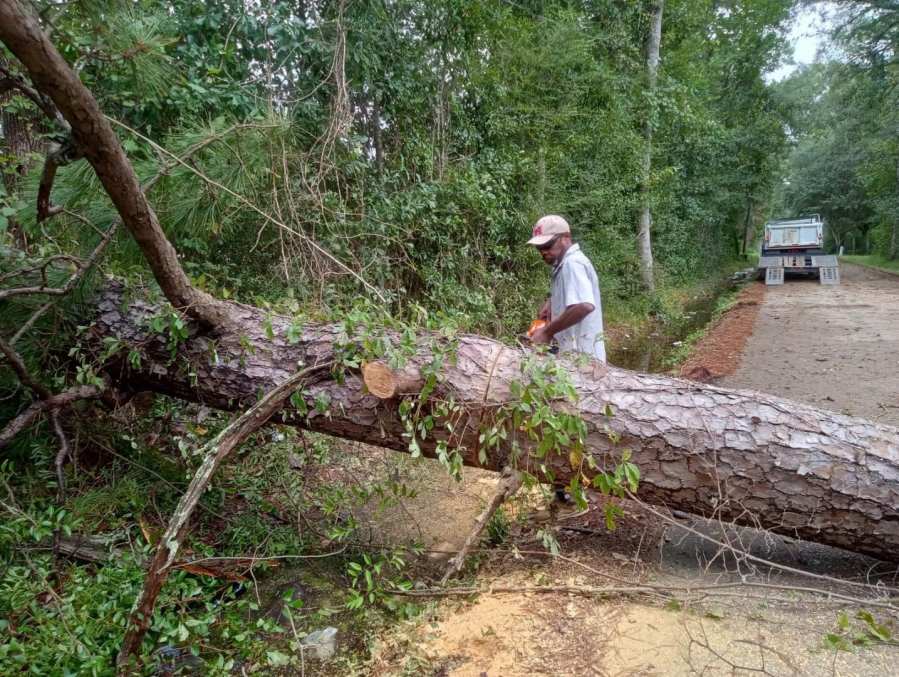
pixel 18 366
pixel 35 409
pixel 14 81
pixel 508 485
pixel 73 278
pixel 42 266
pixel 214 452
pixel 61 455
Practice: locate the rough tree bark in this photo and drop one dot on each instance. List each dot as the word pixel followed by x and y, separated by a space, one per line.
pixel 738 455
pixel 644 218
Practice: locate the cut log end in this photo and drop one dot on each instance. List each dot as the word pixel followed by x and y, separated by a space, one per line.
pixel 379 379
pixel 385 383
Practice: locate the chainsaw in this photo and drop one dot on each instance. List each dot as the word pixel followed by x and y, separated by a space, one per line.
pixel 535 325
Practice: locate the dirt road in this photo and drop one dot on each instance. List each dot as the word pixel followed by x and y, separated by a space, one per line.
pixel 834 347
pixel 837 348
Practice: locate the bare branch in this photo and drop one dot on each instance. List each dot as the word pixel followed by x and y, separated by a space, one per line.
pixel 18 365
pixel 61 455
pixel 750 556
pixel 45 186
pixel 508 485
pixel 214 452
pixel 63 399
pixel 73 278
pixel 42 266
pixel 29 323
pixel 14 81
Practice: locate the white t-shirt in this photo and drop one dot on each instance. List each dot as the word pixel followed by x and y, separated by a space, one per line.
pixel 574 281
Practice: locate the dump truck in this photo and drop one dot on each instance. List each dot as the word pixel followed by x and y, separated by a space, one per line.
pixel 796 246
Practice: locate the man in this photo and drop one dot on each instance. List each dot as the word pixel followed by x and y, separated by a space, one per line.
pixel 574 309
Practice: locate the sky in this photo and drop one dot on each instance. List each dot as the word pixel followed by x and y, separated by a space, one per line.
pixel 807 34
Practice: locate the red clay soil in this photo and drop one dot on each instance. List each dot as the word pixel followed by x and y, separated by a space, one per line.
pixel 718 353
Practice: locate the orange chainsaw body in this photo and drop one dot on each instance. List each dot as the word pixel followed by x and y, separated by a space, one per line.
pixel 535 325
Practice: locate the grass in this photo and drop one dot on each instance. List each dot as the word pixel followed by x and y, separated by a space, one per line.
pixel 874 261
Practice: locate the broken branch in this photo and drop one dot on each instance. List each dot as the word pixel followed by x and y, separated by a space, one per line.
pixel 213 453
pixel 509 484
pixel 35 409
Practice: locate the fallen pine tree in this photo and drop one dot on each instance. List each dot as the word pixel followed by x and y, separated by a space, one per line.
pixel 735 455
pixel 738 456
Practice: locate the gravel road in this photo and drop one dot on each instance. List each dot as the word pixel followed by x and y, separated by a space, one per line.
pixel 834 347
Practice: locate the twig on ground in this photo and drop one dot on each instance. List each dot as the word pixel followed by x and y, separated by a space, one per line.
pixel 755 558
pixel 509 483
pixel 706 644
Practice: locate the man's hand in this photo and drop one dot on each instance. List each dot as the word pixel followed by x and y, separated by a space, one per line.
pixel 570 317
pixel 541 336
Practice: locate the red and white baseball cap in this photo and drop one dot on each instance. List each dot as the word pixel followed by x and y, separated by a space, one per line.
pixel 547 228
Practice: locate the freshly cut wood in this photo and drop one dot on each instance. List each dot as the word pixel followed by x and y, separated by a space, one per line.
pixel 384 382
pixel 738 455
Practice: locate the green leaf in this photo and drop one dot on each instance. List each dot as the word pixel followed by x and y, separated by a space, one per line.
pixel 878 631
pixel 612 512
pixel 299 402
pixel 277 659
pixel 843 621
pixel 632 474
pixel 294 333
pixel 835 642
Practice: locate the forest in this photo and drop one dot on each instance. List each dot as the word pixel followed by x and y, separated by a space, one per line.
pixel 223 224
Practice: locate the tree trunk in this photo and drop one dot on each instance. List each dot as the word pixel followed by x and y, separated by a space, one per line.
pixel 738 455
pixel 894 234
pixel 747 226
pixel 378 143
pixel 19 138
pixel 644 219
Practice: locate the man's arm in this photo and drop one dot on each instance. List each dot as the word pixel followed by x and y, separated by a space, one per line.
pixel 569 317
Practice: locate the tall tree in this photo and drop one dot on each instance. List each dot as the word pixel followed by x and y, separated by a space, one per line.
pixel 644 218
pixel 844 163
